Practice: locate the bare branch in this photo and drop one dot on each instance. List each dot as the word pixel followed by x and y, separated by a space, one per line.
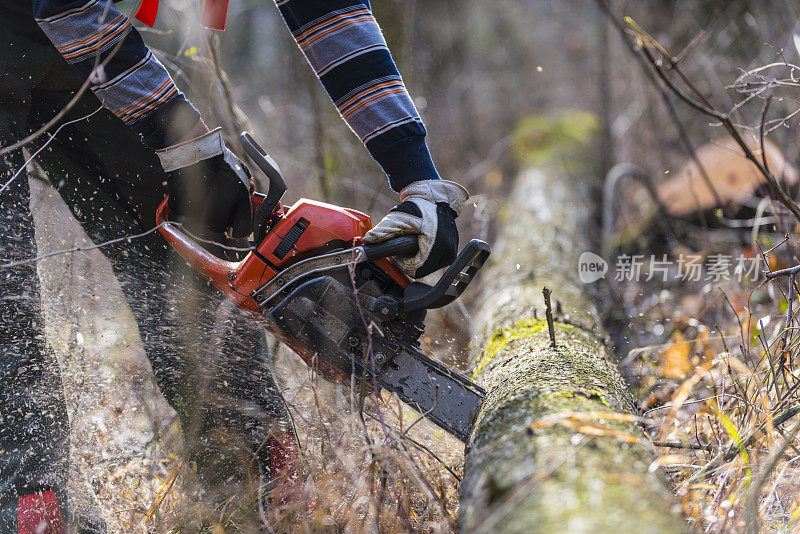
pixel 705 107
pixel 126 238
pixel 682 133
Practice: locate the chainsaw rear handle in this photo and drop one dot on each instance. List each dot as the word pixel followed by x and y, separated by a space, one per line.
pixel 277 185
pixel 406 245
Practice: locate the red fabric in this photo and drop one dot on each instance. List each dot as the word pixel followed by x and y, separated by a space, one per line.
pixel 147 12
pixel 215 13
pixel 284 462
pixel 39 513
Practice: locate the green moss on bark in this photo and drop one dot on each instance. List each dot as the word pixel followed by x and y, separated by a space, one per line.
pixel 522 329
pixel 526 471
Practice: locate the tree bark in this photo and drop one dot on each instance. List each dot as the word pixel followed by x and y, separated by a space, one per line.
pixel 556 446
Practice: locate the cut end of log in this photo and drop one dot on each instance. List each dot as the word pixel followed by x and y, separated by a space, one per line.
pixel 733 177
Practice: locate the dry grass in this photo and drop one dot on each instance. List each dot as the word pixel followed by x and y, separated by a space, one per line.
pixel 359 474
pixel 719 377
pixel 721 396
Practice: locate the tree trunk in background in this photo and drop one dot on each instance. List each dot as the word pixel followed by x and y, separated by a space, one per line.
pixel 555 446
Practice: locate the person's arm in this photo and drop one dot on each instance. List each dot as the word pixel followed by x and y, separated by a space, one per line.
pixel 207 185
pixel 344 45
pixel 100 44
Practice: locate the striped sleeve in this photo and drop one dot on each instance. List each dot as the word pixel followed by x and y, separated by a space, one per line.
pixel 100 44
pixel 344 45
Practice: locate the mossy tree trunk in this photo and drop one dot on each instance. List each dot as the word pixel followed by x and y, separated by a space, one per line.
pixel 556 447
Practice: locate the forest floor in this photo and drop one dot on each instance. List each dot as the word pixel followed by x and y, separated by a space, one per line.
pixel 707 344
pixel 713 363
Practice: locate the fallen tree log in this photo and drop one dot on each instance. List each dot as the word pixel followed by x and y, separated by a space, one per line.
pixel 556 446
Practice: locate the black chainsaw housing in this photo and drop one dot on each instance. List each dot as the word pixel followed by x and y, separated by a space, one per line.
pixel 361 337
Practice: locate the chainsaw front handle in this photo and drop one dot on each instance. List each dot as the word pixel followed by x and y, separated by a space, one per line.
pixel 453 282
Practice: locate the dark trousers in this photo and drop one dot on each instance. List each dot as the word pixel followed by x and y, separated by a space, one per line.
pixel 211 361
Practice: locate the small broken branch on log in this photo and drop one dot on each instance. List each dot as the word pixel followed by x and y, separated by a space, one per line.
pixel 549 315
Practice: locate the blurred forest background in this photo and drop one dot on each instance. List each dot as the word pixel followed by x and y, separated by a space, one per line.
pixel 501 85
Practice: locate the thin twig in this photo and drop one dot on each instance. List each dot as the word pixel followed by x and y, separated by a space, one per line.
pixel 421 447
pixel 423 415
pixel 79 248
pixel 761 133
pixel 688 48
pixel 790 271
pixel 24 165
pixel 680 445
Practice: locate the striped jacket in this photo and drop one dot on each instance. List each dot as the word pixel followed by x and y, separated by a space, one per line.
pixel 340 39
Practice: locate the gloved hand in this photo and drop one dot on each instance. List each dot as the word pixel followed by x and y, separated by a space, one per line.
pixel 428 208
pixel 209 188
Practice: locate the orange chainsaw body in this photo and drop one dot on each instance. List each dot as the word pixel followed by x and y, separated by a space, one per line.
pixel 324 227
pixel 337 302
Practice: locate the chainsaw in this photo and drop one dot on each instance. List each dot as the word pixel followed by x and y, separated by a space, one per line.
pixel 338 303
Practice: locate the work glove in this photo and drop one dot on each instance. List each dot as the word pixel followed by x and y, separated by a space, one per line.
pixel 208 187
pixel 428 209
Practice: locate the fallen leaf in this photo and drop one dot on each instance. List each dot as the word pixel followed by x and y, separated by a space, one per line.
pixel 675 358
